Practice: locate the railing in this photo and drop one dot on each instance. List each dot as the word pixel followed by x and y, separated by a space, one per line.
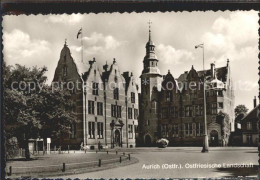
pixel 68 166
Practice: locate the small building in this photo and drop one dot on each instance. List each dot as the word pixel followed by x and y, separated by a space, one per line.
pixel 249 127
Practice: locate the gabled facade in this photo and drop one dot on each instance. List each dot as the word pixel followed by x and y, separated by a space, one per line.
pixel 102 100
pixel 173 108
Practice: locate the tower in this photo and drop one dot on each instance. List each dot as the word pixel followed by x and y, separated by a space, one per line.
pixel 150 83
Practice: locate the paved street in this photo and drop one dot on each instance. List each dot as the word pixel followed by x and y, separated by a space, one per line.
pixel 181 159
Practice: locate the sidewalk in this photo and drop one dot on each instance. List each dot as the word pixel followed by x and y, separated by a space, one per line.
pixel 64 164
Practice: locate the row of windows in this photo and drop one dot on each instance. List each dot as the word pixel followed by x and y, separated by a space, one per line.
pixel 169 112
pixel 115 111
pixel 91 108
pixel 190 129
pixel 190 111
pixel 193 95
pixel 91 130
pixel 100 130
pixel 130 113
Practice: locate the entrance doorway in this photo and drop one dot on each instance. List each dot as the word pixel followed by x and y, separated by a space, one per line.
pixel 214 138
pixel 148 140
pixel 117 137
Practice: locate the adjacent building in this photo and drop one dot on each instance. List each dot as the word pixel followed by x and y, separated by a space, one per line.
pixel 106 103
pixel 250 127
pixel 172 108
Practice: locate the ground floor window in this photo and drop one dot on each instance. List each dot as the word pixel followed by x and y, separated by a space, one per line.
pixel 130 131
pixel 100 130
pixel 175 130
pixel 188 129
pixel 91 130
pixel 199 129
pixel 249 139
pixel 164 130
pixel 72 131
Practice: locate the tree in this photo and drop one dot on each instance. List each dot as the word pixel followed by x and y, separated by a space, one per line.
pixel 240 112
pixel 32 110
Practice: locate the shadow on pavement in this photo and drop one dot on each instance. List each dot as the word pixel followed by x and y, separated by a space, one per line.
pixel 240 172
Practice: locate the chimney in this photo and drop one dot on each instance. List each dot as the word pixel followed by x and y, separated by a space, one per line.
pixel 255 102
pixel 105 67
pixel 212 69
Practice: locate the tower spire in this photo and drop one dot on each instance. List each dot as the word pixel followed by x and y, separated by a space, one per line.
pixel 150 22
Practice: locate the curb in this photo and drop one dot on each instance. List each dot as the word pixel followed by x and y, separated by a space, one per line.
pixel 74 171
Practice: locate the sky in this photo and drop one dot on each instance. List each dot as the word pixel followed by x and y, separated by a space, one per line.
pixel 37 40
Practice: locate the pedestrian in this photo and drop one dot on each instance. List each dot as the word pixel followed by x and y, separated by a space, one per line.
pixel 81 146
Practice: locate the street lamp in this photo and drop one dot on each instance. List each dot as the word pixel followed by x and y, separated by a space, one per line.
pixel 205 147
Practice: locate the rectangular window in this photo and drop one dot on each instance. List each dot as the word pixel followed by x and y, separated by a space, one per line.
pixel 199 129
pixel 100 130
pixel 220 105
pixel 100 108
pixel 188 129
pixel 72 131
pixel 132 97
pixel 116 94
pixel 169 96
pixel 135 113
pixel 201 110
pixel 165 112
pixel 119 111
pixel 113 110
pixel 188 111
pixel 164 130
pixel 130 113
pixel 91 107
pixel 214 108
pixel 249 125
pixel 95 88
pixel 197 110
pixel 220 93
pixel 65 71
pixel 130 131
pixel 175 130
pixel 174 112
pixel 91 130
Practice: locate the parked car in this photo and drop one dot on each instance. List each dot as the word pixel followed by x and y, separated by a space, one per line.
pixel 162 143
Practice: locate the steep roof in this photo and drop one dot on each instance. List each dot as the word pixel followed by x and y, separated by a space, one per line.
pixel 220 72
pixel 82 67
pixel 251 115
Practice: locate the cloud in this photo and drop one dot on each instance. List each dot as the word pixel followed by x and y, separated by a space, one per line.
pixel 19 47
pixel 169 55
pixel 64 19
pixel 98 43
pixel 234 37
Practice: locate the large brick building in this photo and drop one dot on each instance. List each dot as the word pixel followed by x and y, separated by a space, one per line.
pixel 172 108
pixel 106 103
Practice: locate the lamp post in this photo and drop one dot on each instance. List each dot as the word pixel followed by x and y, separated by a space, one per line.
pixel 205 147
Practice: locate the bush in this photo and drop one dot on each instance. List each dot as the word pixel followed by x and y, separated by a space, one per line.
pixel 12 148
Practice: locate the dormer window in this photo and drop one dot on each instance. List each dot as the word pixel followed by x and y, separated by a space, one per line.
pixel 116 94
pixel 169 96
pixel 95 88
pixel 132 97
